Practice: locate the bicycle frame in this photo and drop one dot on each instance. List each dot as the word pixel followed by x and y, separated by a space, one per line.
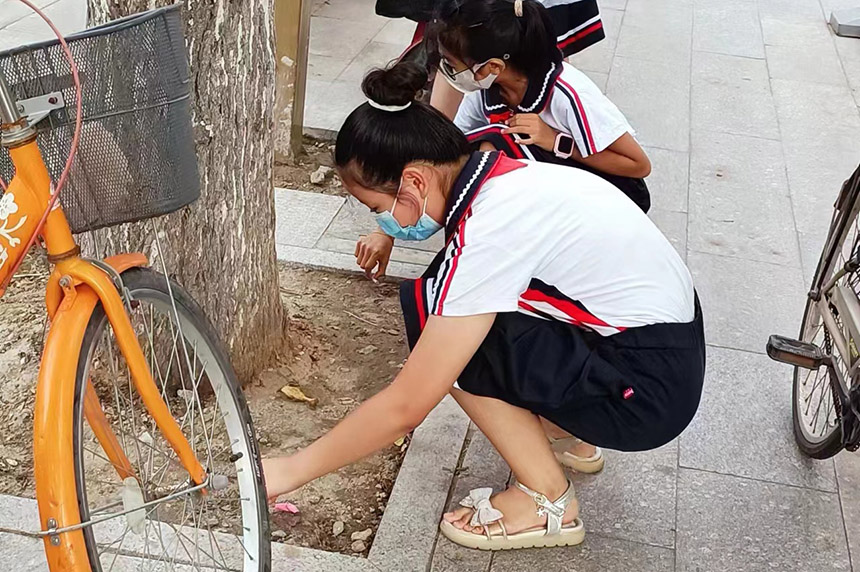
pixel 74 289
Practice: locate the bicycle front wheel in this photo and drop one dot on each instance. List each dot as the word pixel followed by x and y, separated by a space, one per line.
pixel 149 520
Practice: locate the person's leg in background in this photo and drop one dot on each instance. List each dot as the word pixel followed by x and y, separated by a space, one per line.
pixel 519 437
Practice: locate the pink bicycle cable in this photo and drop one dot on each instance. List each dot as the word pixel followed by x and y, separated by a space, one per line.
pixel 72 151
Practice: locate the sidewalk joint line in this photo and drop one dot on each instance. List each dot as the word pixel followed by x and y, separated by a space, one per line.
pixel 757 480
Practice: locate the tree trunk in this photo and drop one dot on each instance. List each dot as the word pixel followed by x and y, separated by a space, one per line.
pixel 222 248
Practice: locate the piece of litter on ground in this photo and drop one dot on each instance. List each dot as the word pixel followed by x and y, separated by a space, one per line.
pixel 366 350
pixel 12 462
pixel 337 528
pixel 294 393
pixel 359 546
pixel 286 506
pixel 320 174
pixel 279 535
pixel 399 442
pixel 363 535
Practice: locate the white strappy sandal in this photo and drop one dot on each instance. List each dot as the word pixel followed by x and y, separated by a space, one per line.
pixel 554 533
pixel 588 465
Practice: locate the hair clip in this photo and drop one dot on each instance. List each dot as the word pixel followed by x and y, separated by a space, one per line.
pixel 518 8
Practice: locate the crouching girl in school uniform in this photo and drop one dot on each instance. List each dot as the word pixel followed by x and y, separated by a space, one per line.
pixel 523 99
pixel 556 308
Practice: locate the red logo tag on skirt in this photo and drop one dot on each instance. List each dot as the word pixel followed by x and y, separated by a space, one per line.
pixel 628 393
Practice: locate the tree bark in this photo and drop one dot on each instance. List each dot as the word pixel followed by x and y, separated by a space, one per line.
pixel 222 248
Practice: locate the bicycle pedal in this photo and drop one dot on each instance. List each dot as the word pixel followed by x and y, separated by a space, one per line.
pixel 795 352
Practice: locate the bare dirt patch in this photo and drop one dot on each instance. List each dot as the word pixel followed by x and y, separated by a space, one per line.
pixel 347 344
pixel 296 173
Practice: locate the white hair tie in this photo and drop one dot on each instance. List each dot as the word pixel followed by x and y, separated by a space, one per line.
pixel 389 108
pixel 518 8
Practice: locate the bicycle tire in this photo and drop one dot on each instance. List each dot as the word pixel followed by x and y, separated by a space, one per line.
pixel 827 447
pixel 845 213
pixel 146 285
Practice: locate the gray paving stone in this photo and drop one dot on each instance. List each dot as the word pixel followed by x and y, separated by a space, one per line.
pixel 26 553
pixel 729 523
pixel 342 38
pixel 328 260
pixel 778 32
pixel 399 31
pixel 674 227
pixel 301 217
pixel 848 474
pixel 329 103
pixel 359 12
pixel 353 221
pixel 744 302
pixel 811 244
pixel 739 201
pixel 19 514
pixel 669 179
pixel 803 62
pixel 406 535
pixel 730 27
pixel 374 55
pixel 482 466
pixel 828 124
pixel 638 87
pixel 297 559
pixel 633 498
pixel 398 254
pixel 737 432
pixel 791 11
pixel 732 94
pixel 598 58
pixel 657 30
pixel 325 69
pixel 596 554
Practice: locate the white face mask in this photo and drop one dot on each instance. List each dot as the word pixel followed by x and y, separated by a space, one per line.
pixel 465 81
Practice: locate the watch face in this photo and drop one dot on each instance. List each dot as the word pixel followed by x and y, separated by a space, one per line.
pixel 565 145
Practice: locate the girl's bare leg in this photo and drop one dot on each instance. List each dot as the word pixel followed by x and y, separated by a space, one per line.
pixel 444 97
pixel 580 449
pixel 519 438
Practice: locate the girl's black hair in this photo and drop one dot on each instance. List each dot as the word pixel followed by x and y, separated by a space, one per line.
pixel 478 30
pixel 375 145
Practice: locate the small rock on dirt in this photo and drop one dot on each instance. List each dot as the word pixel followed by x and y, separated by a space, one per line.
pixel 320 174
pixel 363 535
pixel 337 528
pixel 359 546
pixel 279 535
pixel 12 462
pixel 366 350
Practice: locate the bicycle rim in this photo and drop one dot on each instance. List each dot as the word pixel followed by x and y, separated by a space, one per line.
pixel 223 529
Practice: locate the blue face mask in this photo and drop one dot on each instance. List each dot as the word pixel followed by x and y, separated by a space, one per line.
pixel 421 230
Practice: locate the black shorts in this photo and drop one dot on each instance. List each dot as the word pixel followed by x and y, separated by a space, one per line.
pixel 632 391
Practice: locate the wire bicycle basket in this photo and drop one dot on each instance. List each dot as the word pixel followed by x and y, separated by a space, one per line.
pixel 136 157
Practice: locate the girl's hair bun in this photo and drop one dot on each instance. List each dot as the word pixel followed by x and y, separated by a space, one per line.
pixel 395 85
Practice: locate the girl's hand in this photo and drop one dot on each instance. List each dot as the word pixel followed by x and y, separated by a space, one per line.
pixel 535 130
pixel 373 252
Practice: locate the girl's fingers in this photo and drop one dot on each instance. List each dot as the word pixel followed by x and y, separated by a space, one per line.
pixel 526 141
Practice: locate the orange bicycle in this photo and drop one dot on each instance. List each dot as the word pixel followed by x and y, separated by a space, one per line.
pixel 144 451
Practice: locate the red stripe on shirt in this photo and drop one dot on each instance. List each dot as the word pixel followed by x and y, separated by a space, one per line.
pixel 461 232
pixel 569 309
pixel 581 113
pixel 419 302
pixel 579 35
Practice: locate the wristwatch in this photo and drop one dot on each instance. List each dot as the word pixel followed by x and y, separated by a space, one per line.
pixel 563 147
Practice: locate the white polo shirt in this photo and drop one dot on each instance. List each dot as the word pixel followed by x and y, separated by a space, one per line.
pixel 556 243
pixel 565 98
